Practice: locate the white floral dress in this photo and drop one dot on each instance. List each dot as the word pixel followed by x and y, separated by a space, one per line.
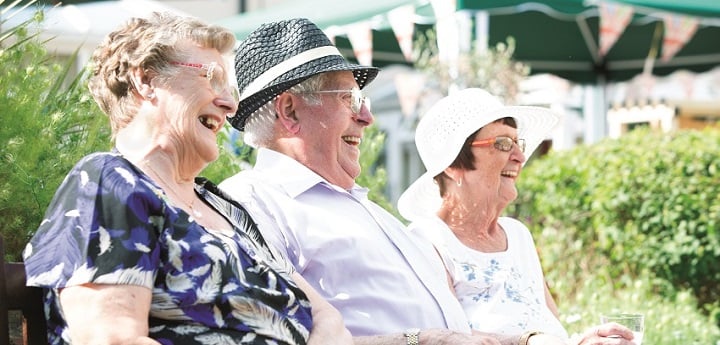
pixel 502 293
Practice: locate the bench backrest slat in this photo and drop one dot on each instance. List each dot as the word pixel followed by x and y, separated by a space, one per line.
pixel 14 295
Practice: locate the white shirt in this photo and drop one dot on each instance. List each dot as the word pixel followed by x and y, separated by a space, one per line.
pixel 502 292
pixel 357 255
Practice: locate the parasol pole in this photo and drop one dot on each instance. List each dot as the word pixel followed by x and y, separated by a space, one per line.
pixel 653 52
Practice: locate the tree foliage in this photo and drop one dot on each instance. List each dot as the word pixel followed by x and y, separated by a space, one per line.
pixel 492 68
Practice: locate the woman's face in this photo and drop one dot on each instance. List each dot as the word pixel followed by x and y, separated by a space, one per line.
pixel 192 108
pixel 493 180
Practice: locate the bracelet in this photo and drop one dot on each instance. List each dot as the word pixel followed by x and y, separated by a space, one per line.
pixel 525 338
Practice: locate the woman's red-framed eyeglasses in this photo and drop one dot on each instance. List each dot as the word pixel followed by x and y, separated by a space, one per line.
pixel 501 143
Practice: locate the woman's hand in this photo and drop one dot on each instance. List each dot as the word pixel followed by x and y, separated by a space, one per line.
pixel 606 334
pixel 328 325
pixel 107 314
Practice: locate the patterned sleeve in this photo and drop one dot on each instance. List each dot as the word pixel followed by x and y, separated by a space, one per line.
pixel 101 227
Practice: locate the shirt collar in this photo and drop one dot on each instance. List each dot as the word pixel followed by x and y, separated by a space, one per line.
pixel 291 175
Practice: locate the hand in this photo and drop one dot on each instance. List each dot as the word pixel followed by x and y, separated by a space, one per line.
pixel 606 334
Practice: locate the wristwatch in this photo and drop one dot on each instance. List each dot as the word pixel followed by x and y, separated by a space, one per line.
pixel 412 336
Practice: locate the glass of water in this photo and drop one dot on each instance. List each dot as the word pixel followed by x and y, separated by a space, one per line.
pixel 635 322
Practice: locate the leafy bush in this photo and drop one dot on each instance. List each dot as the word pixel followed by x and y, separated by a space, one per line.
pixel 234 156
pixel 46 128
pixel 373 175
pixel 647 202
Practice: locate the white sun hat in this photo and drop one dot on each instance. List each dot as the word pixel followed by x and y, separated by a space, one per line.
pixel 441 132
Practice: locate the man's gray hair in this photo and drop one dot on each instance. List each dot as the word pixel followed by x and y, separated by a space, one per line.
pixel 259 128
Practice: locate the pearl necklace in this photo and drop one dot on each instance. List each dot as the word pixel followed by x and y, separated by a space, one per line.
pixel 190 205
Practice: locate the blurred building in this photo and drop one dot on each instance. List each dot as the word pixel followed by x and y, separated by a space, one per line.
pixel 79 28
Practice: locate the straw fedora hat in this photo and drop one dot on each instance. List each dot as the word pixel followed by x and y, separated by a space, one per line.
pixel 444 128
pixel 279 55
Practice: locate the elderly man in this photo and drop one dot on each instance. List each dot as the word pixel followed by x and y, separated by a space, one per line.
pixel 302 107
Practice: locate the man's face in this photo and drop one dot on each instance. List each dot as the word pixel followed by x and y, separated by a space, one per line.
pixel 331 131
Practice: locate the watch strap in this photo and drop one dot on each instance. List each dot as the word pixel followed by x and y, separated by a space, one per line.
pixel 412 336
pixel 525 338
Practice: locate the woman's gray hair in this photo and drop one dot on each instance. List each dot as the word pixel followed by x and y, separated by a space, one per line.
pixel 150 44
pixel 259 128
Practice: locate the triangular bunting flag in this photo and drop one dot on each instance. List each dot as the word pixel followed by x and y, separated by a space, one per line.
pixel 360 36
pixel 678 31
pixel 614 18
pixel 409 87
pixel 403 25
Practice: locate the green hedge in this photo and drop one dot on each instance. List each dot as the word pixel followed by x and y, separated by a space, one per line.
pixel 49 122
pixel 645 207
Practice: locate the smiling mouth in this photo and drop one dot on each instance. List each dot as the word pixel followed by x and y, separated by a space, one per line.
pixel 210 122
pixel 509 173
pixel 352 140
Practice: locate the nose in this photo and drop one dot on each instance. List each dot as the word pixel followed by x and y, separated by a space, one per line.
pixel 227 101
pixel 518 155
pixel 364 116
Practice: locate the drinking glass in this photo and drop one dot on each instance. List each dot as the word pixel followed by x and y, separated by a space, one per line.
pixel 635 322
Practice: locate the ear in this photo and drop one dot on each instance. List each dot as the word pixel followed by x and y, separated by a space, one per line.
pixel 455 174
pixel 141 82
pixel 285 111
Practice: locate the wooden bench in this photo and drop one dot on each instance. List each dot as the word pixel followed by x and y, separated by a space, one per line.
pixel 15 296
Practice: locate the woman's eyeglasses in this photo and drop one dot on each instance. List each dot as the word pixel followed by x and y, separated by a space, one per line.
pixel 357 99
pixel 504 144
pixel 218 81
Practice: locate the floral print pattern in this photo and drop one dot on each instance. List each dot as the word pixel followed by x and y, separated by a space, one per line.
pixel 500 292
pixel 111 224
pixel 494 282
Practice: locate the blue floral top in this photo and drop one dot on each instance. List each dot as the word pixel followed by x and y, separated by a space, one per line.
pixel 111 224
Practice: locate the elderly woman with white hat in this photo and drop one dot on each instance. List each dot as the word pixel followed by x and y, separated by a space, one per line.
pixel 474 148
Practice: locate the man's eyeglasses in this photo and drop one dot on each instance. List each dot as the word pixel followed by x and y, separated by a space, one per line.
pixel 504 144
pixel 357 99
pixel 218 81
